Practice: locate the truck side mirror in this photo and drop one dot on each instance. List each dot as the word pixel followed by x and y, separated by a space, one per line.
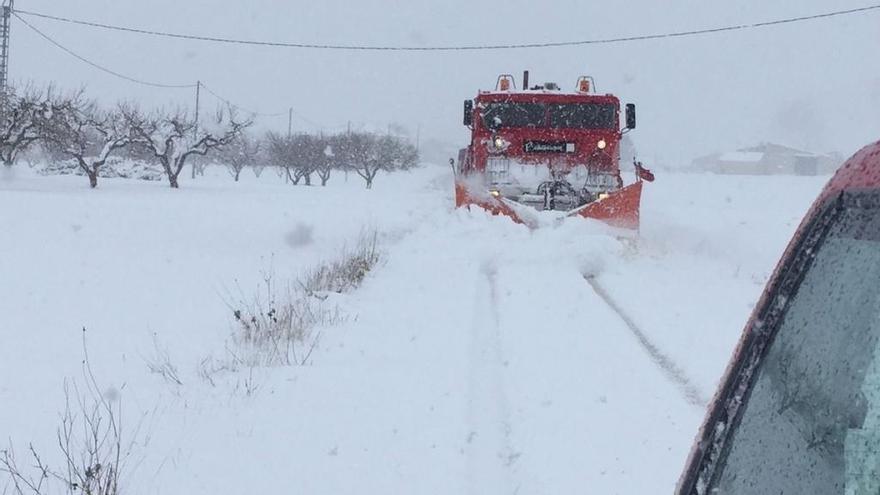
pixel 630 116
pixel 468 112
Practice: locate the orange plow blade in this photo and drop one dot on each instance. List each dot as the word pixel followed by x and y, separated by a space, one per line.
pixel 619 209
pixel 495 206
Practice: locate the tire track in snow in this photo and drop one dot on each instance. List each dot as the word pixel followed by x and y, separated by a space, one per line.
pixel 672 370
pixel 507 454
pixel 489 451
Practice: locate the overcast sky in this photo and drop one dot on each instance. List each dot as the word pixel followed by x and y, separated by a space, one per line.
pixel 814 85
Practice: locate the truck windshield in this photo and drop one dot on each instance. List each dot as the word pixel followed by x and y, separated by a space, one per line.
pixel 506 114
pixel 811 421
pixel 583 116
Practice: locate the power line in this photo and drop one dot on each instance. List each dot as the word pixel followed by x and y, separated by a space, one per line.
pixel 553 44
pixel 96 65
pixel 154 84
pixel 256 113
pixel 239 107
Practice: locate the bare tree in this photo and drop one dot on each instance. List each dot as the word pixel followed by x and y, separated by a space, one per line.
pixel 259 164
pixel 380 149
pixel 241 152
pixel 367 154
pixel 137 151
pixel 325 161
pixel 306 155
pixel 314 157
pixel 174 137
pixel 352 150
pixel 21 117
pixel 294 155
pixel 278 152
pixel 371 154
pixel 403 155
pixel 340 153
pixel 79 129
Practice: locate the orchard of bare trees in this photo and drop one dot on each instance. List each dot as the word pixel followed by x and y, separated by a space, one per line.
pixel 72 128
pixel 301 156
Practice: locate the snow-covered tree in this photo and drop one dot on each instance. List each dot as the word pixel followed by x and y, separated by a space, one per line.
pixel 22 113
pixel 293 155
pixel 174 137
pixel 307 155
pixel 279 154
pixel 403 156
pixel 386 153
pixel 366 154
pixel 326 162
pixel 80 130
pixel 352 150
pixel 243 151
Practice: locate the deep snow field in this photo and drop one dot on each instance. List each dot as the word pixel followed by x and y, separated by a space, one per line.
pixel 475 358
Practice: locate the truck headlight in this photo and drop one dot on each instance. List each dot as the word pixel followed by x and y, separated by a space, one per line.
pixel 601 144
pixel 498 144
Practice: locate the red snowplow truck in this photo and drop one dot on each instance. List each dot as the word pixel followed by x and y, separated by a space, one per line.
pixel 542 149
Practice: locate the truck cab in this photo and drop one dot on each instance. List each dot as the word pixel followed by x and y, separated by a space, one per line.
pixel 544 148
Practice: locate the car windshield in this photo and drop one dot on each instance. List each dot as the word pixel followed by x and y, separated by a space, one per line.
pixel 811 423
pixel 583 116
pixel 505 114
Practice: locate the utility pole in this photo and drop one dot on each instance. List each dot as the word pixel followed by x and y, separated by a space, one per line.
pixel 196 126
pixel 8 6
pixel 289 122
pixel 198 96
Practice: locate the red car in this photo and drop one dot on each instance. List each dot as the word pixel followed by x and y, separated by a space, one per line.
pixel 798 409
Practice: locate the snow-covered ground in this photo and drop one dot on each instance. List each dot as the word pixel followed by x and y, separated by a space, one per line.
pixel 475 359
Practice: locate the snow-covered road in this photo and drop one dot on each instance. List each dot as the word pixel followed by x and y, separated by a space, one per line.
pixel 481 356
pixel 558 394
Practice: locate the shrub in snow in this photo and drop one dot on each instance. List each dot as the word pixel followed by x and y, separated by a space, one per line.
pixel 348 271
pixel 160 364
pixel 91 447
pixel 277 327
pixel 115 167
pixel 282 327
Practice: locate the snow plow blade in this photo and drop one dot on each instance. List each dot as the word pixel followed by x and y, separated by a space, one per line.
pixel 619 209
pixel 495 206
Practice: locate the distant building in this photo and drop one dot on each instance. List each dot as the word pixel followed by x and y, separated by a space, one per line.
pixel 768 159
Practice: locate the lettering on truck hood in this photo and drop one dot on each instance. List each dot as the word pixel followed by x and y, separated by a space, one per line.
pixel 548 147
